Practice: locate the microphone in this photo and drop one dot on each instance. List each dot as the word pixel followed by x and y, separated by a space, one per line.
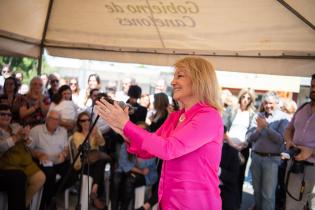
pixel 122 104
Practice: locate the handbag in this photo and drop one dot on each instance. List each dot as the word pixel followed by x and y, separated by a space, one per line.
pixel 95 155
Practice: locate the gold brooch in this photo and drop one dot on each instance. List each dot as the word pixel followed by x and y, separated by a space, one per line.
pixel 182 118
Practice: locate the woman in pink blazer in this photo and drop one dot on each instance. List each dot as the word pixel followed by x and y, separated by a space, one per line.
pixel 189 142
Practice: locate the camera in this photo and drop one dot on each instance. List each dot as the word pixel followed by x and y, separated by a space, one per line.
pixel 297 166
pixel 110 100
pixel 290 153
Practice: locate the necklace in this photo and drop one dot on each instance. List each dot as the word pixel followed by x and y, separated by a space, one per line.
pixel 182 118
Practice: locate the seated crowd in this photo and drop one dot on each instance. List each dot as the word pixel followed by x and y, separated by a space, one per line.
pixel 39 129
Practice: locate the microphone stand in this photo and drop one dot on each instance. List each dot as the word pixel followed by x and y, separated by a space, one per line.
pixel 83 150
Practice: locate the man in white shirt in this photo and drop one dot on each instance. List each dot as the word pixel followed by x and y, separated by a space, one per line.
pixel 49 145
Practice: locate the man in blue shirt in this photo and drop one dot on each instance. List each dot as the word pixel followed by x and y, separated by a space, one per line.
pixel 266 136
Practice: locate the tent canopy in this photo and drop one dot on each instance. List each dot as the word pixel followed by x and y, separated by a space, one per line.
pixel 270 37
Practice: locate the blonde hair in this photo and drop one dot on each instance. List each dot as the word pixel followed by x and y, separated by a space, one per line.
pixel 36 78
pixel 289 106
pixel 204 80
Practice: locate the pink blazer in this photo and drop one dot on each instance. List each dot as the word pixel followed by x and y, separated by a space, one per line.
pixel 191 153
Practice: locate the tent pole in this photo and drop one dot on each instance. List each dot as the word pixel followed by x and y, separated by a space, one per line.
pixel 42 45
pixel 296 13
pixel 39 63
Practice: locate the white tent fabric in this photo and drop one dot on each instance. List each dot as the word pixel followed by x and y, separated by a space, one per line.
pixel 260 36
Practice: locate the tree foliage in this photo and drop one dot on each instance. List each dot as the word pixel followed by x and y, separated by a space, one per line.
pixel 28 66
pixel 25 65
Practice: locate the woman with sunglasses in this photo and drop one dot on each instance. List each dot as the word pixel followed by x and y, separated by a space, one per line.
pixel 97 159
pixel 14 159
pixel 35 104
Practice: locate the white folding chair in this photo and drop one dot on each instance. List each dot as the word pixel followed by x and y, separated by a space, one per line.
pixel 35 203
pixel 85 191
pixel 3 201
pixel 67 191
pixel 86 182
pixel 107 181
pixel 139 196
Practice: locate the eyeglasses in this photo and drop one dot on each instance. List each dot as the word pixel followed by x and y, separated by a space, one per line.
pixel 72 83
pixel 84 120
pixel 3 114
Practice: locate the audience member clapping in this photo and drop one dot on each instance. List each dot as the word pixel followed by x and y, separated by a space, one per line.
pixel 15 158
pixel 34 105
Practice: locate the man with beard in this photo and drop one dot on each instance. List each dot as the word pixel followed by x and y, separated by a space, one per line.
pixel 301 134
